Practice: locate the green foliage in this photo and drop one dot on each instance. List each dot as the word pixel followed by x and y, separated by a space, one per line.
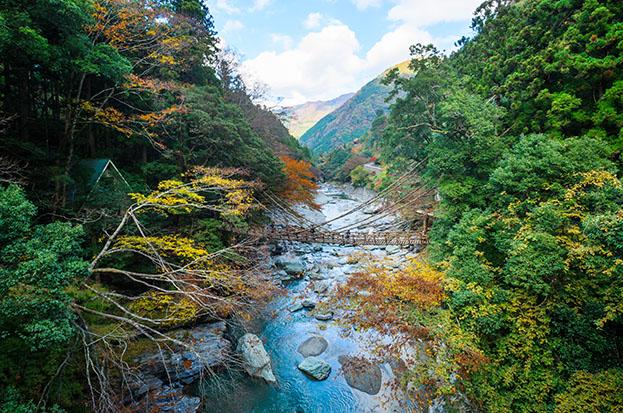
pixel 218 133
pixel 524 146
pixel 599 392
pixel 37 265
pixel 360 177
pixel 137 83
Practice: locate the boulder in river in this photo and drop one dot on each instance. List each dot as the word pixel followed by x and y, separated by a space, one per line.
pixel 308 303
pixel 208 348
pixel 293 266
pixel 255 358
pixel 321 287
pixel 324 316
pixel 315 367
pixel 313 346
pixel 320 275
pixel 361 374
pixel 392 249
pixel 297 306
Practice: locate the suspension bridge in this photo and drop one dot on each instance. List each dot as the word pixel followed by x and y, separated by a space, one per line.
pixel 382 238
pixel 415 203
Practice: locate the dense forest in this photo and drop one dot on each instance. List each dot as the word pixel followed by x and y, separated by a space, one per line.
pixel 101 99
pixel 134 159
pixel 520 131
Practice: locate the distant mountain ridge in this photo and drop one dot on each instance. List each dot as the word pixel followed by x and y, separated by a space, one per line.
pixel 304 116
pixel 354 118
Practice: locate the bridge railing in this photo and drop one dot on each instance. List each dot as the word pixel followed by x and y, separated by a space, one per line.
pixel 294 233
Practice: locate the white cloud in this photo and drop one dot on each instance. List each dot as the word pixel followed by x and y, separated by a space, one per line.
pixel 329 61
pixel 232 26
pixel 422 13
pixel 364 4
pixel 282 40
pixel 313 20
pixel 322 65
pixel 393 47
pixel 224 6
pixel 260 5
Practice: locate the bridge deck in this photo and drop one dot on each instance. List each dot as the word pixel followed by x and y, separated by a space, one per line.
pixel 300 234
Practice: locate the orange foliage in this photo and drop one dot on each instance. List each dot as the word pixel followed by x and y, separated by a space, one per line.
pixel 386 299
pixel 300 185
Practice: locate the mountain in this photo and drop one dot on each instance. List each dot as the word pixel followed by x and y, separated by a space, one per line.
pixel 354 118
pixel 304 116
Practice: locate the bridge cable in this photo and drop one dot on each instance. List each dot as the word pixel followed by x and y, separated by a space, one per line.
pixel 391 210
pixel 373 199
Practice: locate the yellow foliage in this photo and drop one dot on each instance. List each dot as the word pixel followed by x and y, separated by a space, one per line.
pixel 166 246
pixel 166 309
pixel 595 178
pixel 173 196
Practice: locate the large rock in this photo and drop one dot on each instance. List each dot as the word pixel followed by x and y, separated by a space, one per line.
pixel 313 346
pixel 256 361
pixel 207 349
pixel 321 287
pixel 293 266
pixel 172 400
pixel 324 316
pixel 361 374
pixel 315 367
pixel 309 304
pixel 295 307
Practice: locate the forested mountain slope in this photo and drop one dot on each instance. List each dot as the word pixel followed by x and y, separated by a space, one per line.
pixel 130 154
pixel 302 117
pixel 353 119
pixel 521 133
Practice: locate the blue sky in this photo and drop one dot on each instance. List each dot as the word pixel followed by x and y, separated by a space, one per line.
pixel 306 50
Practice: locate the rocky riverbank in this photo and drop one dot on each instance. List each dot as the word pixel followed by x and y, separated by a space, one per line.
pixel 300 355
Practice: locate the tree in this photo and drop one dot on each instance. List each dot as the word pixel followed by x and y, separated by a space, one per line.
pixel 38 263
pixel 300 184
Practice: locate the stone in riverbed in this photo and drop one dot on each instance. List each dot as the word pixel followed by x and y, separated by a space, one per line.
pixel 295 307
pixel 392 249
pixel 255 358
pixel 169 399
pixel 317 276
pixel 361 374
pixel 313 346
pixel 315 368
pixel 293 266
pixel 309 304
pixel 321 287
pixel 324 316
pixel 208 348
pixel 172 400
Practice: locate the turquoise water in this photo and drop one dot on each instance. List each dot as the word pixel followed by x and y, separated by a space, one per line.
pixel 284 331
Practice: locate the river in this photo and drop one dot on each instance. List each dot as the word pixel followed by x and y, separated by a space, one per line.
pixel 284 331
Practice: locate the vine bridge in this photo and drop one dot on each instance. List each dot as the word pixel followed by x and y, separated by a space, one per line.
pixel 306 235
pixel 412 202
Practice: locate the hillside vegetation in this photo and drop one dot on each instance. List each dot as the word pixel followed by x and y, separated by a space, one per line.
pixel 353 119
pixel 521 132
pixel 131 156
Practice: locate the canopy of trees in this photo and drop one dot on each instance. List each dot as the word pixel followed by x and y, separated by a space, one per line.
pixel 521 133
pixel 124 118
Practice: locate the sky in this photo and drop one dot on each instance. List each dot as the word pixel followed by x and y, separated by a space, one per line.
pixel 307 50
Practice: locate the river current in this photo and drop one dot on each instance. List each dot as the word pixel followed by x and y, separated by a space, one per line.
pixel 283 331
